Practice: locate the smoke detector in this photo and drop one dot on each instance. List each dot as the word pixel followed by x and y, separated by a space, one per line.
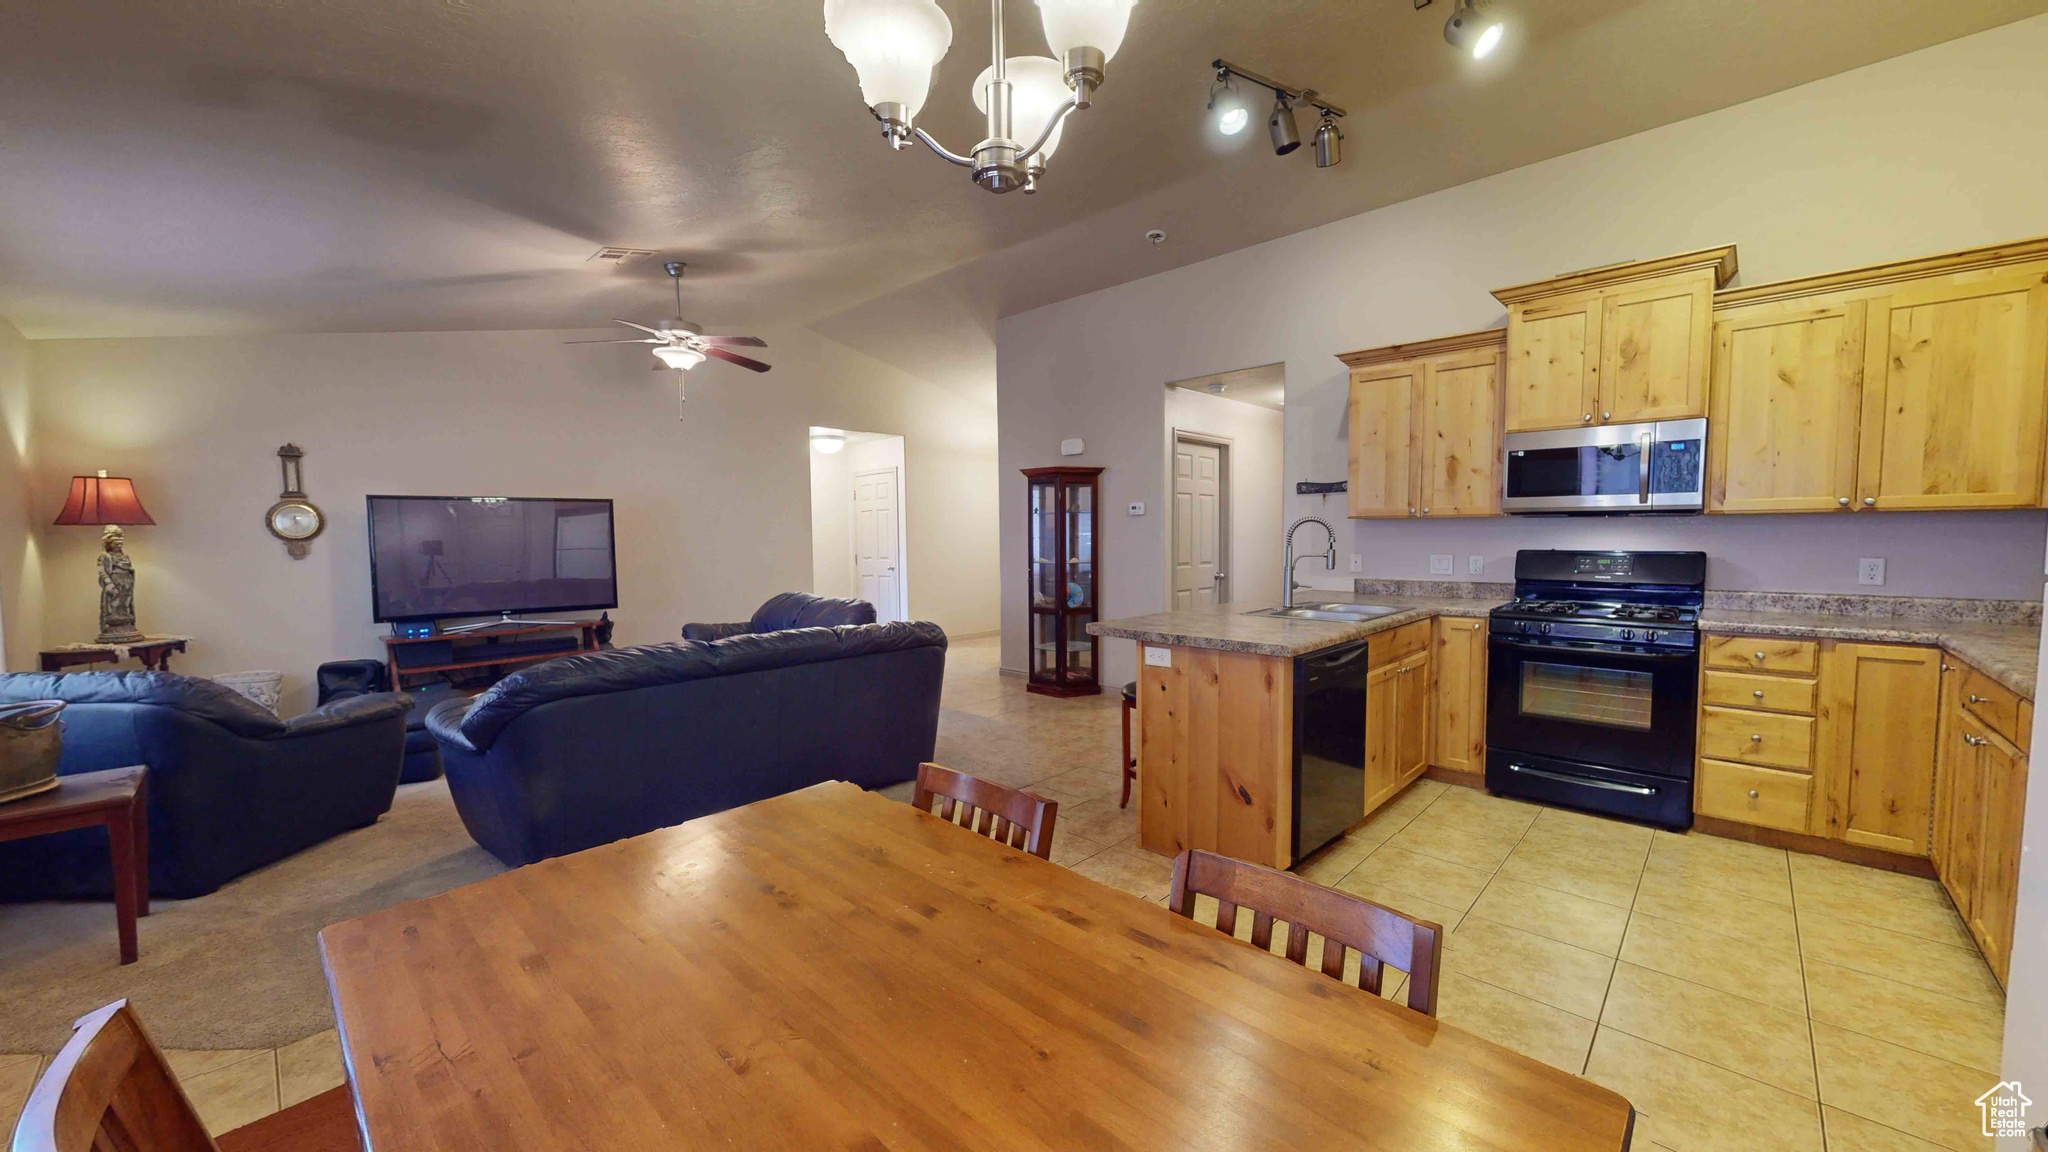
pixel 1218 388
pixel 613 254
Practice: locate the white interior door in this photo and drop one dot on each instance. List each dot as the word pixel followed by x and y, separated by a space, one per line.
pixel 1197 524
pixel 877 548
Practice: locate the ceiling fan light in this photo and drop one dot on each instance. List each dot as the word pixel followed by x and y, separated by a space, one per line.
pixel 827 441
pixel 679 358
pixel 892 44
pixel 1038 86
pixel 1098 24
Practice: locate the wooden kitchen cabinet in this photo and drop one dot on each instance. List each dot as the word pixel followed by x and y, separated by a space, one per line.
pixel 1910 386
pixel 1459 738
pixel 1614 345
pixel 1424 433
pixel 1979 806
pixel 1398 704
pixel 1880 706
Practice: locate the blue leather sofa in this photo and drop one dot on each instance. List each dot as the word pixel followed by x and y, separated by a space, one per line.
pixel 231 787
pixel 786 610
pixel 587 749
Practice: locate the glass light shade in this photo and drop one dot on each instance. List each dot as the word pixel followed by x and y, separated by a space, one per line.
pixel 892 44
pixel 681 359
pixel 827 441
pixel 1073 24
pixel 1038 86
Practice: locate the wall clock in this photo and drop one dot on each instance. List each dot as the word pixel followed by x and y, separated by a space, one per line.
pixel 293 519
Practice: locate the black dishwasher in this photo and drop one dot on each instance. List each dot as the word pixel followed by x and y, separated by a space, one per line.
pixel 1329 744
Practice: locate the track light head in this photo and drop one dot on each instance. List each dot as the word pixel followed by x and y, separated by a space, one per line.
pixel 1286 134
pixel 1227 108
pixel 1473 31
pixel 1329 149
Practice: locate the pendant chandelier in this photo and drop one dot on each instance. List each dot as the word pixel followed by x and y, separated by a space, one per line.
pixel 894 44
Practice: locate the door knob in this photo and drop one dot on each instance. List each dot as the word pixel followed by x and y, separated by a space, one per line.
pixel 1843 501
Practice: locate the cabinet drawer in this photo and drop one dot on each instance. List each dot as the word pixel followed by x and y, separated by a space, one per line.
pixel 1761 796
pixel 1402 641
pixel 1997 706
pixel 1763 654
pixel 1757 737
pixel 1767 693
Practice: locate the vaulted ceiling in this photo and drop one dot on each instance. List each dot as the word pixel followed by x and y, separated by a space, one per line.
pixel 221 166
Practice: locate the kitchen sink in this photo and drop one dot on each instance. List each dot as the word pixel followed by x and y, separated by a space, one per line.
pixel 1341 613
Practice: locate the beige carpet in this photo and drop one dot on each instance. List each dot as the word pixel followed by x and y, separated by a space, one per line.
pixel 239 968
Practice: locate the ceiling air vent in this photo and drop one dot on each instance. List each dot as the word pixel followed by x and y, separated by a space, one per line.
pixel 616 255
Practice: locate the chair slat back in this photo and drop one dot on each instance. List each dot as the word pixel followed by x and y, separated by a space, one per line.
pixel 1381 936
pixel 110 1090
pixel 1019 819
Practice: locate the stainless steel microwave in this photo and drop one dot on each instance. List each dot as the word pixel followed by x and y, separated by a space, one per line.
pixel 1655 467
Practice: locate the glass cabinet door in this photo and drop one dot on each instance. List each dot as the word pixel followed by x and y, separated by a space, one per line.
pixel 1063 580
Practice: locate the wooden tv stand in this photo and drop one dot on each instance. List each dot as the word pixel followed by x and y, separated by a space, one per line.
pixel 473 650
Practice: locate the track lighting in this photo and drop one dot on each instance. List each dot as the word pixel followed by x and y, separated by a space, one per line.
pixel 1329 150
pixel 1473 31
pixel 1286 134
pixel 1230 114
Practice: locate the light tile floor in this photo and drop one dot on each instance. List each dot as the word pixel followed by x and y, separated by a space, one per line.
pixel 1741 997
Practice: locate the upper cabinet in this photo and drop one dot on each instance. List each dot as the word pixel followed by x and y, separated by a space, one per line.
pixel 1425 429
pixel 1916 385
pixel 1614 345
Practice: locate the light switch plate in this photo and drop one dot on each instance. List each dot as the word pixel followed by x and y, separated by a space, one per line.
pixel 1475 565
pixel 1156 657
pixel 1870 570
pixel 1440 564
pixel 1137 507
pixel 1357 562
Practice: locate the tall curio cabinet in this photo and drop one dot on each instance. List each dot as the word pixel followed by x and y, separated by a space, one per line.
pixel 1066 580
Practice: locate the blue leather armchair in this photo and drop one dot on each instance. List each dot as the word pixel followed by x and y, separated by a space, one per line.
pixel 231 787
pixel 587 749
pixel 786 610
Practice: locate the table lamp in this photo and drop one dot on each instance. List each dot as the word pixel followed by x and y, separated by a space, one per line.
pixel 109 501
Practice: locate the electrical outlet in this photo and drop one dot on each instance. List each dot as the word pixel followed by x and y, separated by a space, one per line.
pixel 1158 657
pixel 1475 565
pixel 1440 564
pixel 1870 570
pixel 1137 507
pixel 1357 562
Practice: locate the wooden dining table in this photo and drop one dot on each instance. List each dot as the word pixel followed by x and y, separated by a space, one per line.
pixel 832 970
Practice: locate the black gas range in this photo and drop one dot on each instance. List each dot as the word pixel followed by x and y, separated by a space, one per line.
pixel 1593 682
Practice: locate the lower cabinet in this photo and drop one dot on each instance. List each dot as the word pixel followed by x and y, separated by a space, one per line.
pixel 1979 805
pixel 1459 740
pixel 1398 706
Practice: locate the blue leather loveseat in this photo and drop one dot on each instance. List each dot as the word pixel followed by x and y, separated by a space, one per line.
pixel 786 610
pixel 587 749
pixel 231 787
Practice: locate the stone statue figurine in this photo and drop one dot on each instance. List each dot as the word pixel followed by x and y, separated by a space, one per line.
pixel 117 591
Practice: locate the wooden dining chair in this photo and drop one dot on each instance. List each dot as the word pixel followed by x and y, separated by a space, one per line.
pixel 1380 936
pixel 1016 818
pixel 111 1090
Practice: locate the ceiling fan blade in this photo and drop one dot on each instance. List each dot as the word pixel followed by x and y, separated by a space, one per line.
pixel 642 327
pixel 736 358
pixel 614 341
pixel 735 341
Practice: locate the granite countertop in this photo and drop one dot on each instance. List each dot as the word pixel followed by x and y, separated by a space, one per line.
pixel 1228 629
pixel 2004 652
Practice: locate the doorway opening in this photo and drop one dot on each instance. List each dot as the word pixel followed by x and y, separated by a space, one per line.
pixel 1224 438
pixel 859 524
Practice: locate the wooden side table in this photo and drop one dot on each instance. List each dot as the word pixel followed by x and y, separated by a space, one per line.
pixel 154 654
pixel 116 798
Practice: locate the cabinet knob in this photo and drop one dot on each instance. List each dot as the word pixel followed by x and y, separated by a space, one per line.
pixel 1411 511
pixel 1870 501
pixel 1759 655
pixel 1843 501
pixel 1607 415
pixel 1974 698
pixel 1759 693
pixel 1973 740
pixel 1588 417
pixel 1752 793
pixel 1425 511
pixel 1756 738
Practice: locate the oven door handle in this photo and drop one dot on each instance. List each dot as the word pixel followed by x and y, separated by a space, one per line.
pixel 1589 646
pixel 1643 468
pixel 1631 789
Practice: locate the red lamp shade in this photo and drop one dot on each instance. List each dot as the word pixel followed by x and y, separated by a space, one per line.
pixel 102 500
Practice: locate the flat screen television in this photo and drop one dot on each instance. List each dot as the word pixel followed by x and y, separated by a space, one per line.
pixel 434 557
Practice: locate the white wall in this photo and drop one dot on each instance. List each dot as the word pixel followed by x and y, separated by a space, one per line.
pixel 20 575
pixel 1940 149
pixel 710 513
pixel 831 525
pixel 1257 439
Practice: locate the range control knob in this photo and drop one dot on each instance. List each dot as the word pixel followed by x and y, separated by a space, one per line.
pixel 1544 628
pixel 1628 633
pixel 1649 637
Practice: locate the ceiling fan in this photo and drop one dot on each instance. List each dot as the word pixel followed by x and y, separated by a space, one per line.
pixel 681 344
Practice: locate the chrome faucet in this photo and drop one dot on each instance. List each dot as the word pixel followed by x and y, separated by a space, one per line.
pixel 1329 557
